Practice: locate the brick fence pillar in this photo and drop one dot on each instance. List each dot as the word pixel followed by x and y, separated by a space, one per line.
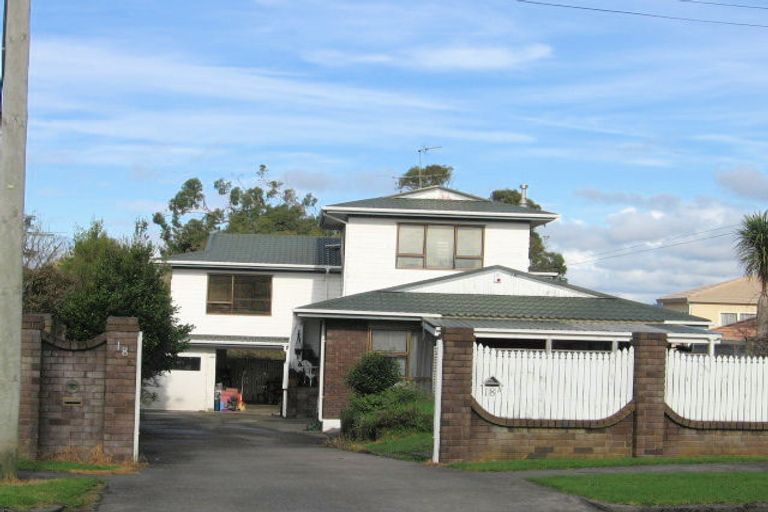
pixel 456 399
pixel 29 404
pixel 650 361
pixel 120 386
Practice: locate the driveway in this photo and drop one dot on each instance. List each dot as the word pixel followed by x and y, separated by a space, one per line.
pixel 243 462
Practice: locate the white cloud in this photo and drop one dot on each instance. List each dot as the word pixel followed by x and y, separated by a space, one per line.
pixel 449 58
pixel 749 183
pixel 643 252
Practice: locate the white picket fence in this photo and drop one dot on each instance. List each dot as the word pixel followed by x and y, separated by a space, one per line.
pixel 722 388
pixel 551 386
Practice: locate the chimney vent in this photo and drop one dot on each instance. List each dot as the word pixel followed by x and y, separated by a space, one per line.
pixel 524 195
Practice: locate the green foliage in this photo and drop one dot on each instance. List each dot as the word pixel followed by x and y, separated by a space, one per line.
pixel 120 278
pixel 418 177
pixel 267 207
pixel 396 409
pixel 752 249
pixel 374 373
pixel 44 288
pixel 541 259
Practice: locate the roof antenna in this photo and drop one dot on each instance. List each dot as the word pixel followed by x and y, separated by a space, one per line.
pixel 524 194
pixel 423 151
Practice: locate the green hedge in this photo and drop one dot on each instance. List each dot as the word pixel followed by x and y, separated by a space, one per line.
pixel 374 373
pixel 401 408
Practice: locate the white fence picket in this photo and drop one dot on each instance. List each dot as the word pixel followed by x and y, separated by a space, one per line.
pixel 552 386
pixel 717 388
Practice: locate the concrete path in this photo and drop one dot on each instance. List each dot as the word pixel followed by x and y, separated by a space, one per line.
pixel 232 463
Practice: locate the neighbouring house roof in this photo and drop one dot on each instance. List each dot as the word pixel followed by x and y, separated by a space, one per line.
pixel 280 251
pixel 738 331
pixel 412 204
pixel 743 290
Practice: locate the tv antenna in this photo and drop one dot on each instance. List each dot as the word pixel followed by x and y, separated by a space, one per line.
pixel 423 151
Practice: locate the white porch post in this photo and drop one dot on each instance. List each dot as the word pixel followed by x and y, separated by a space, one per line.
pixel 286 370
pixel 438 399
pixel 322 373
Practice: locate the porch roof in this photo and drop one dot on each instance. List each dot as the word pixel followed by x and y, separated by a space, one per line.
pixel 571 329
pixel 509 307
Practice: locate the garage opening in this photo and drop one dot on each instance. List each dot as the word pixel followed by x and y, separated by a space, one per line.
pixel 256 372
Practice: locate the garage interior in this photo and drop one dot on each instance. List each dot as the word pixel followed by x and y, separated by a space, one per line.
pixel 256 372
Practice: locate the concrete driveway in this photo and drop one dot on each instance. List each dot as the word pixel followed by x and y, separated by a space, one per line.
pixel 244 462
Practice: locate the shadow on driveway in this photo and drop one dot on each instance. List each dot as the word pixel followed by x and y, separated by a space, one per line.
pixel 243 462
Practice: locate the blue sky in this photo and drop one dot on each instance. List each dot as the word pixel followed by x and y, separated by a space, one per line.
pixel 640 132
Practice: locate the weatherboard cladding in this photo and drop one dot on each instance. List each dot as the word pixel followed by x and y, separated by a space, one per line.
pixel 267 249
pixel 403 203
pixel 502 306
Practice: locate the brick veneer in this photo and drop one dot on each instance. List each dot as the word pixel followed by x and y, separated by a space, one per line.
pixel 97 413
pixel 648 393
pixel 645 427
pixel 345 343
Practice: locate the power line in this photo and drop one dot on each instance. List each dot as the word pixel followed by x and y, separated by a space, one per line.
pixel 725 4
pixel 643 14
pixel 669 238
pixel 650 249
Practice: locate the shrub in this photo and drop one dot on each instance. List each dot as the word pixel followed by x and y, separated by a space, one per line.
pixel 374 373
pixel 399 408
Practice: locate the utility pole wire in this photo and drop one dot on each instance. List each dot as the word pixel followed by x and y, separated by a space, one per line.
pixel 670 238
pixel 725 4
pixel 643 14
pixel 650 249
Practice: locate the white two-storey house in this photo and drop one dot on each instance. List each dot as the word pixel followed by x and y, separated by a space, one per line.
pixel 403 268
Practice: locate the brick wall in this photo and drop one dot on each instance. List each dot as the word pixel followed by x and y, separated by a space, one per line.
pixel 645 427
pixel 345 343
pixel 78 396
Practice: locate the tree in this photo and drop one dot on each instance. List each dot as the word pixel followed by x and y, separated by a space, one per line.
pixel 267 207
pixel 44 284
pixel 541 260
pixel 752 250
pixel 120 278
pixel 418 177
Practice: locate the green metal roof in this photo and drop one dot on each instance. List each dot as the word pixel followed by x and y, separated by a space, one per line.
pixel 604 308
pixel 265 250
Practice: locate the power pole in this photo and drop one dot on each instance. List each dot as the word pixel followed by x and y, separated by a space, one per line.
pixel 13 149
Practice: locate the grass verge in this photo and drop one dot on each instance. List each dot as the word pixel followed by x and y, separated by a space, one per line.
pixel 665 488
pixel 534 464
pixel 65 466
pixel 73 493
pixel 415 446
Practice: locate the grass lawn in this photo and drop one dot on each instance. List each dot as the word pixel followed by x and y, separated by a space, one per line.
pixel 665 488
pixel 532 464
pixel 72 492
pixel 66 466
pixel 415 446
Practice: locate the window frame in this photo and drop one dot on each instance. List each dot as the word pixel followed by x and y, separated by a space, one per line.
pixel 394 355
pixel 722 316
pixel 231 301
pixel 423 254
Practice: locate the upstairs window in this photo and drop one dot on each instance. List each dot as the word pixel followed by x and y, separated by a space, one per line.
pixel 439 246
pixel 237 294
